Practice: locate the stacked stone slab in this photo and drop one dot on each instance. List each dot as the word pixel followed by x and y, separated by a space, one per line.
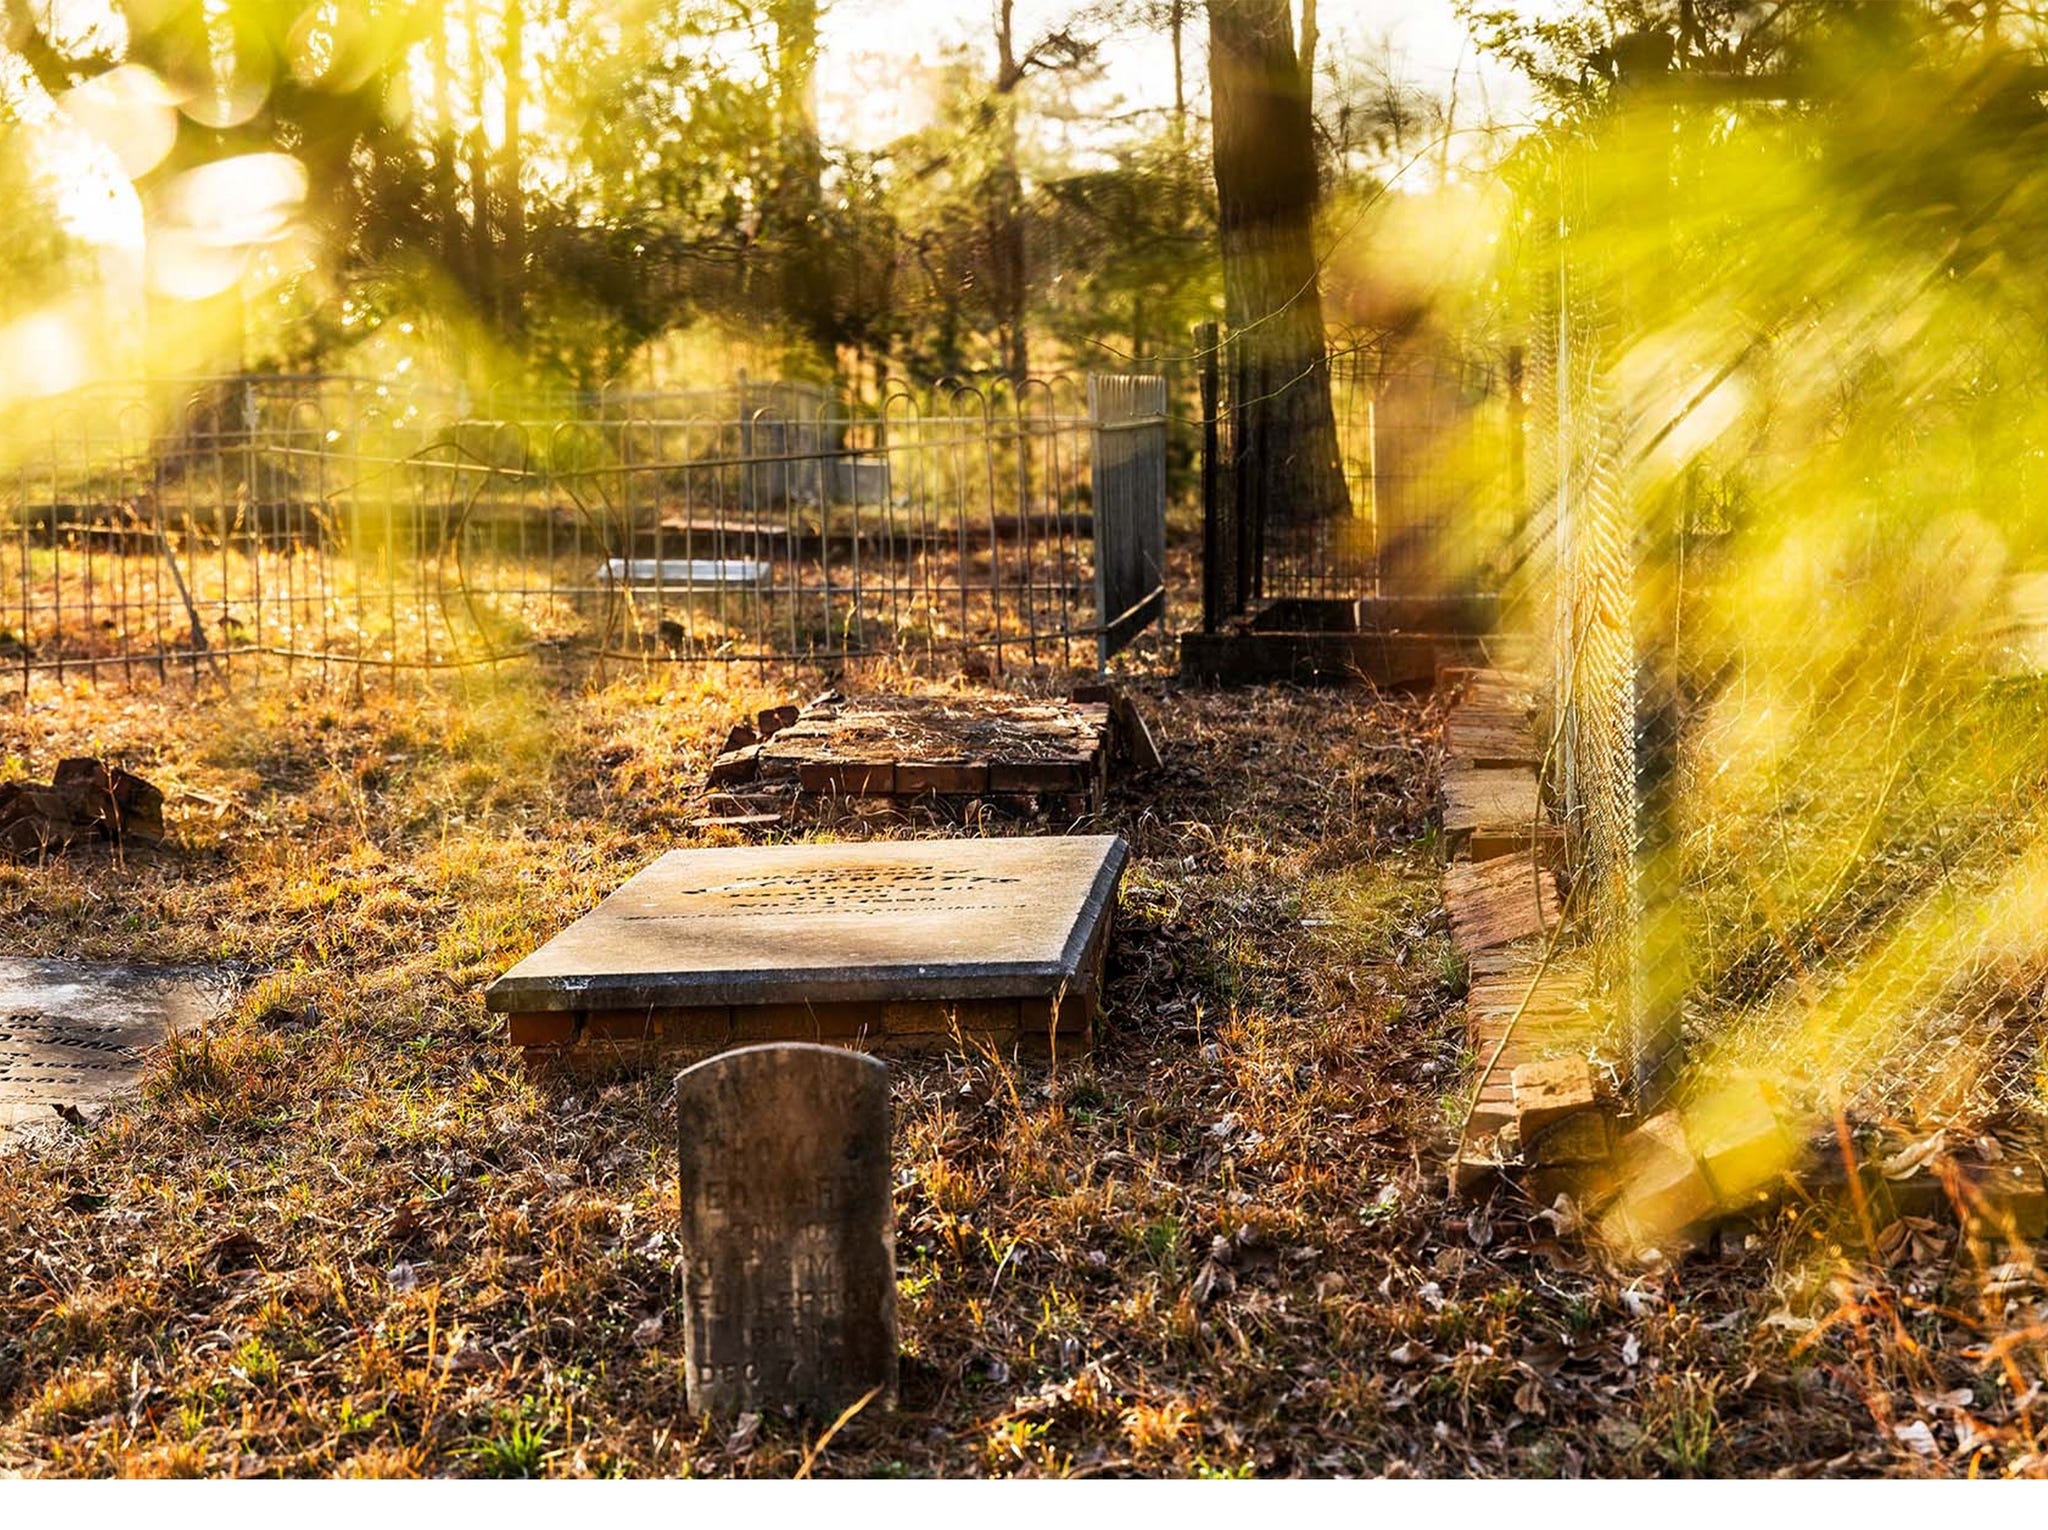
pixel 1536 1099
pixel 1019 758
pixel 1491 800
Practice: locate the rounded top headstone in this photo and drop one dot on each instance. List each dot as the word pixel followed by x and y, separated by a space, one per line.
pixel 788 1229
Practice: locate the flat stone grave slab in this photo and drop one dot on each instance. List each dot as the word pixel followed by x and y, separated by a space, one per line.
pixel 903 945
pixel 789 1267
pixel 75 1033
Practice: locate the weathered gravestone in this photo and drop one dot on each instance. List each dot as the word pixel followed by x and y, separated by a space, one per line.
pixel 789 1246
pixel 899 945
pixel 74 1034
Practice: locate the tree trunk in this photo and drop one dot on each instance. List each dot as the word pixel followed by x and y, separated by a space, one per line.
pixel 1290 475
pixel 483 265
pixel 1006 204
pixel 796 209
pixel 451 237
pixel 1176 24
pixel 511 195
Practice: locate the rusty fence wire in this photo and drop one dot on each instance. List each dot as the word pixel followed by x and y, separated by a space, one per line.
pixel 224 527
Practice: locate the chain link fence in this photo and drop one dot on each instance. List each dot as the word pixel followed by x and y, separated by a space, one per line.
pixel 1785 534
pixel 1576 563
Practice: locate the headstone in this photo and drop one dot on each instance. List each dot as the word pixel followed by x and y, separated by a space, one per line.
pixel 788 1231
pixel 862 942
pixel 72 1034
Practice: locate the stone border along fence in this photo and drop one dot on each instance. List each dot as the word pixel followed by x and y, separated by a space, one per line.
pixel 229 527
pixel 1544 1109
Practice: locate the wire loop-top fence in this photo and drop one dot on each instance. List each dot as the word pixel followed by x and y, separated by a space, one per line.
pixel 200 527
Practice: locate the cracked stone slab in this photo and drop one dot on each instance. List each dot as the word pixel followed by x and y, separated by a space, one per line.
pixel 1490 736
pixel 1482 800
pixel 1494 903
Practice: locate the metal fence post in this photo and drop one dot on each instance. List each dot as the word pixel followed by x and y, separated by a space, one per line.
pixel 1248 482
pixel 1214 590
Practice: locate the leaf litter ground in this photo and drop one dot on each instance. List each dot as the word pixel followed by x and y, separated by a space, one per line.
pixel 342 1231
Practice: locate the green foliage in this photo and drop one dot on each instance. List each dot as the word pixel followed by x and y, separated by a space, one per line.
pixel 39 261
pixel 518 1448
pixel 539 191
pixel 1133 243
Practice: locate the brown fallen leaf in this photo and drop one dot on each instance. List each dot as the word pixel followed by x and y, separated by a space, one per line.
pixel 1213 1280
pixel 1909 1159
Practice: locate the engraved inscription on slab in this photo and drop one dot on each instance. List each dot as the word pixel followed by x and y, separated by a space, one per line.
pixel 789 1266
pixel 883 888
pixel 74 1033
pixel 940 920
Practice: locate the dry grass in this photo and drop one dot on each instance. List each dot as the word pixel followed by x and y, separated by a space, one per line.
pixel 343 1233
